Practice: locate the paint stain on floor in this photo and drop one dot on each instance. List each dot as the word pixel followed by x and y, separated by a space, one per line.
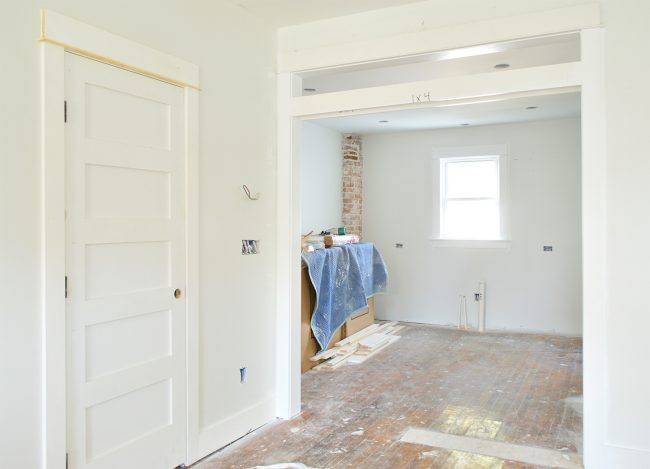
pixel 516 388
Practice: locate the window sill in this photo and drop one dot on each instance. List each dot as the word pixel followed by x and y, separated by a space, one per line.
pixel 471 243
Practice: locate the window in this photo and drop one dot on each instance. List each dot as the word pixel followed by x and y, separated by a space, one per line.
pixel 471 195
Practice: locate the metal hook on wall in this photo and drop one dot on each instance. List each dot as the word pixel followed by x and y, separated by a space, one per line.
pixel 248 193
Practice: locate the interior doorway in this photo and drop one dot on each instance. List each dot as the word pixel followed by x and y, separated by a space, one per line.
pixel 519 170
pixel 467 89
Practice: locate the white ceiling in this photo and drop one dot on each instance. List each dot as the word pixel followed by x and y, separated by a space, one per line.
pixel 486 113
pixel 288 12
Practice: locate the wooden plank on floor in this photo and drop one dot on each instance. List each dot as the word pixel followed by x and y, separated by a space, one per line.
pixel 497 449
pixel 358 336
pixel 373 341
pixel 365 332
pixel 360 358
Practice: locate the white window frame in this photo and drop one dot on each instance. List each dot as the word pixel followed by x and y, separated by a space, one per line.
pixel 443 156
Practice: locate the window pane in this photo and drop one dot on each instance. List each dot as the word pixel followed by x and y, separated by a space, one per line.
pixel 472 179
pixel 471 219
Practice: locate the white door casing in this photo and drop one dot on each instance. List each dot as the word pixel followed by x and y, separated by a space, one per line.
pixel 125 146
pixel 587 76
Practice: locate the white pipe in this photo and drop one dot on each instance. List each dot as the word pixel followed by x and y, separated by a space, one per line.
pixel 465 312
pixel 481 307
pixel 462 312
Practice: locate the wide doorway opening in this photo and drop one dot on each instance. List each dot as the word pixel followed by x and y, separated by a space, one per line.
pixel 475 210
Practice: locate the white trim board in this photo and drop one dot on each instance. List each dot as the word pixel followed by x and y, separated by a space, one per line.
pixel 53 257
pixel 58 35
pixel 288 253
pixel 376 45
pixel 447 103
pixel 493 448
pixel 92 42
pixel 594 248
pixel 442 90
pixel 192 269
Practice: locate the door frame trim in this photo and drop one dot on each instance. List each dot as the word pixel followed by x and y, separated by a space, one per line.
pixel 58 35
pixel 588 77
pixel 83 39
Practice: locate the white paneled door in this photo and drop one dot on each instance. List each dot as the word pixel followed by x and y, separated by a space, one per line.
pixel 125 266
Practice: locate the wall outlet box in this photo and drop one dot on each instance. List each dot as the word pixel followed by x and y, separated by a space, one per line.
pixel 250 246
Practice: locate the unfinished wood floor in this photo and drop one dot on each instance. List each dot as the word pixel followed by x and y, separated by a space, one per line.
pixel 515 388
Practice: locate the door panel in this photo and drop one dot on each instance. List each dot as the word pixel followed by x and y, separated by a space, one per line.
pixel 125 256
pixel 102 201
pixel 146 409
pixel 117 116
pixel 121 268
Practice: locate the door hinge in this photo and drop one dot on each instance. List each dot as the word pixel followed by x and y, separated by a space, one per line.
pixel 66 286
pixel 65 111
pixel 66 461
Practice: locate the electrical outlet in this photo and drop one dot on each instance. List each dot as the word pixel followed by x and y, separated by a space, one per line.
pixel 399 245
pixel 250 246
pixel 548 248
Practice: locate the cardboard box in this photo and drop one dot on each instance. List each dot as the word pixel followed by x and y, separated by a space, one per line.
pixel 309 345
pixel 361 319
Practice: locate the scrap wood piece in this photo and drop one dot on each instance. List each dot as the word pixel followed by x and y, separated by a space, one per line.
pixel 382 328
pixel 378 346
pixel 386 326
pixel 340 357
pixel 370 350
pixel 358 358
pixel 338 360
pixel 373 329
pixel 364 343
pixel 322 366
pixel 325 355
pixel 359 335
pixel 333 352
pixel 373 341
pixel 287 465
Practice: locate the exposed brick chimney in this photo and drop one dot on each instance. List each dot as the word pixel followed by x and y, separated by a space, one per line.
pixel 352 184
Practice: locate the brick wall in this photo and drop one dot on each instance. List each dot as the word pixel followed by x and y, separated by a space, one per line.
pixel 352 184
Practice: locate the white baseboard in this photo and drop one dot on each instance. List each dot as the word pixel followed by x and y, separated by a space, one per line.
pixel 224 432
pixel 619 457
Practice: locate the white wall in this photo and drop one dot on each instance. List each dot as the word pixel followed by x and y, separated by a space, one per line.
pixel 236 55
pixel 321 171
pixel 527 289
